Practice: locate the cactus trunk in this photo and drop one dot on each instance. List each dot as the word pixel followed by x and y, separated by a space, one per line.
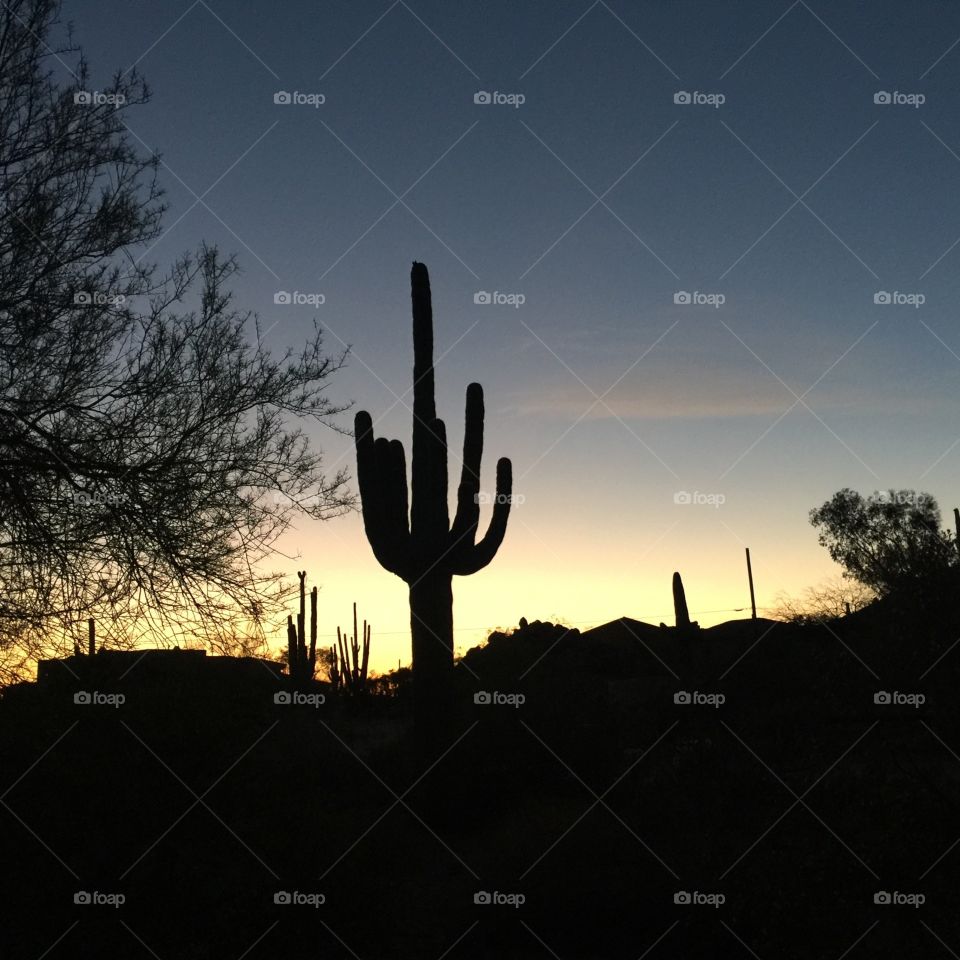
pixel 431 629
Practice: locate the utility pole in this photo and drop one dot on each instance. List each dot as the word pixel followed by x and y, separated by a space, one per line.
pixel 753 599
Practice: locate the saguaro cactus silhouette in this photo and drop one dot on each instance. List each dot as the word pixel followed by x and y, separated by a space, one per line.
pixel 682 617
pixel 301 659
pixel 681 614
pixel 418 543
pixel 351 656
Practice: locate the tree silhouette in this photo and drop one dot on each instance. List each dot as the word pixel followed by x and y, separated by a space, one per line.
pixel 148 458
pixel 886 540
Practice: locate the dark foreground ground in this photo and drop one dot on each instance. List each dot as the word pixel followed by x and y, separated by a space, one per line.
pixel 583 813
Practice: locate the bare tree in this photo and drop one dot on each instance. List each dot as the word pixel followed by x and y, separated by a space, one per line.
pixel 827 600
pixel 151 447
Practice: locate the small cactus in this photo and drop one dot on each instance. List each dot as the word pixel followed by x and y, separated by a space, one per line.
pixel 681 614
pixel 301 658
pixel 350 668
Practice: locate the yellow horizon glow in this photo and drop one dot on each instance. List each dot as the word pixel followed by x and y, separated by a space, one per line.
pixel 583 586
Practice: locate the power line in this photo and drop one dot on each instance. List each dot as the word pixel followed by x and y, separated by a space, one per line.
pixel 597 620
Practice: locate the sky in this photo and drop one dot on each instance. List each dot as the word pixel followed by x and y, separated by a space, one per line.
pixel 719 243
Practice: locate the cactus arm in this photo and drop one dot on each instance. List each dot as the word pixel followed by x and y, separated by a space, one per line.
pixel 392 471
pixel 344 661
pixel 397 466
pixel 389 545
pixel 467 517
pixel 477 557
pixel 366 652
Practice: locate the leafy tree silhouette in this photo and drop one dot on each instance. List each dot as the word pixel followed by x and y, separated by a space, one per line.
pixel 887 540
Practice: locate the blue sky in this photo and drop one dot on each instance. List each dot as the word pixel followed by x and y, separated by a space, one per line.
pixel 597 200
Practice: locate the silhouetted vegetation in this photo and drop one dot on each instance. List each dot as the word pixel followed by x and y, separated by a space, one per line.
pixel 413 537
pixel 351 658
pixel 888 541
pixel 631 790
pixel 594 773
pixel 152 452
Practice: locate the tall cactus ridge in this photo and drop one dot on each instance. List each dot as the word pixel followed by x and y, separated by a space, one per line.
pixel 680 604
pixel 417 542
